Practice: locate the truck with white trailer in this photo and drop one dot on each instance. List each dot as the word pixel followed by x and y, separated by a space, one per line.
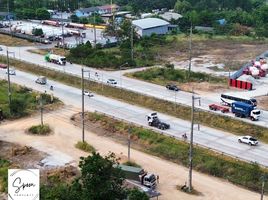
pixel 244 110
pixel 60 60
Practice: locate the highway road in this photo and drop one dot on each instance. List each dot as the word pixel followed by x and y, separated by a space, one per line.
pixel 138 86
pixel 211 138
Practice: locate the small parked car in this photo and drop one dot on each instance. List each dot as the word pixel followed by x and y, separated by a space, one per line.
pixel 111 81
pixel 11 71
pixel 172 87
pixel 248 140
pixel 89 94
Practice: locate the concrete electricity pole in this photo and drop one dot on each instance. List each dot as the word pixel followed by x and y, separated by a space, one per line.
pixel 83 103
pixel 41 109
pixel 191 142
pixel 8 80
pixel 132 50
pixel 264 178
pixel 128 154
pixel 190 52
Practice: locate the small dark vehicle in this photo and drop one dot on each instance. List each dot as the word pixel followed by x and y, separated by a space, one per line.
pixel 172 87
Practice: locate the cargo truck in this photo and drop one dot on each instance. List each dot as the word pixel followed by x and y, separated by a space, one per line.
pixel 138 174
pixel 60 60
pixel 153 120
pixel 244 110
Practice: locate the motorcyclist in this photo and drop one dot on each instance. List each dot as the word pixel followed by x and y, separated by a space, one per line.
pixel 51 87
pixel 184 136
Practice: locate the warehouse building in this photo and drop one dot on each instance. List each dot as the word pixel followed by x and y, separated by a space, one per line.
pixel 148 26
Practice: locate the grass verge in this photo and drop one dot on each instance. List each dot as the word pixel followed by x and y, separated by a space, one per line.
pixel 205 161
pixel 181 111
pixel 13 41
pixel 4 164
pixel 40 129
pixel 58 51
pixel 84 146
pixel 131 163
pixel 23 101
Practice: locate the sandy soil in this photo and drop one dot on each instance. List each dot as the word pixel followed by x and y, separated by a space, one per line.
pixel 262 102
pixel 66 135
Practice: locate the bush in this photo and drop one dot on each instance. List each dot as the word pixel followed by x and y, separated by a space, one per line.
pixel 131 163
pixel 40 130
pixel 84 146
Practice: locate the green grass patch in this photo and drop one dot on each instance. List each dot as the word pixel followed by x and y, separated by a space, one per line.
pixel 162 76
pixel 131 163
pixel 205 161
pixel 84 146
pixel 4 164
pixel 183 112
pixel 23 100
pixel 40 129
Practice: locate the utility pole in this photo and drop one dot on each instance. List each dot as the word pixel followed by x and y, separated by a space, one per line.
pixel 83 103
pixel 263 179
pixel 83 107
pixel 191 142
pixel 94 26
pixel 41 109
pixel 62 31
pixel 190 51
pixel 128 154
pixel 132 50
pixel 8 5
pixel 9 88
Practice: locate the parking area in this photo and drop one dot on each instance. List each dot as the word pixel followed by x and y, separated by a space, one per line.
pixel 72 36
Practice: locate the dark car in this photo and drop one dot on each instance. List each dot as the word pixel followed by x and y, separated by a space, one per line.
pixel 172 87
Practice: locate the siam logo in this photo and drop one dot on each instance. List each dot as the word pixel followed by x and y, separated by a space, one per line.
pixel 23 184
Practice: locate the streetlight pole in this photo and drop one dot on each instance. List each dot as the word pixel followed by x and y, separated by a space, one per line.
pixel 191 143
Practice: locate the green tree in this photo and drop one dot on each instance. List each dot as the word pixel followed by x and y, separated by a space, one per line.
pixel 42 13
pixel 74 18
pixel 135 194
pixel 37 31
pixel 100 179
pixel 182 7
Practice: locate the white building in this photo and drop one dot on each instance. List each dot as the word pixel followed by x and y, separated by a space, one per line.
pixel 148 26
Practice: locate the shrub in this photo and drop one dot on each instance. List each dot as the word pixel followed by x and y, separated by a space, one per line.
pixel 84 146
pixel 131 163
pixel 40 130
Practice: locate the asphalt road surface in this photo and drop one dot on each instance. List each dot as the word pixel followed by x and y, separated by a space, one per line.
pixel 142 87
pixel 211 138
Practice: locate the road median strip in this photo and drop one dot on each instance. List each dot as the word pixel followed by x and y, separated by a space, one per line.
pixel 206 118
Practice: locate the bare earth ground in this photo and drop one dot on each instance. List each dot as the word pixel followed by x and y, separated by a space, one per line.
pixel 263 102
pixel 13 41
pixel 230 52
pixel 66 135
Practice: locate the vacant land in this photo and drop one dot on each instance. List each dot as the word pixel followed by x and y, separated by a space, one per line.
pixel 233 52
pixel 186 81
pixel 263 102
pixel 13 41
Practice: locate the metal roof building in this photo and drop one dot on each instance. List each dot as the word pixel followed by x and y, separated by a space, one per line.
pixel 148 26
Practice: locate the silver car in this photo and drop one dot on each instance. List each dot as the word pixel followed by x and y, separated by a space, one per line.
pixel 248 140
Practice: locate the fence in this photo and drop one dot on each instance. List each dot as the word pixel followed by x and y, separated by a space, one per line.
pixel 23 36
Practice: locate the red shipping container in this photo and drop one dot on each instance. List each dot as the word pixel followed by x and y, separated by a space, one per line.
pixel 239 83
pixel 249 86
pixel 233 82
pixel 244 85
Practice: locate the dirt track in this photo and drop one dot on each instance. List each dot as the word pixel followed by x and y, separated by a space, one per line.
pixel 66 135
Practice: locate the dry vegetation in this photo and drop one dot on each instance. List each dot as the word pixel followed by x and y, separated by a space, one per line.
pixel 231 51
pixel 13 41
pixel 58 51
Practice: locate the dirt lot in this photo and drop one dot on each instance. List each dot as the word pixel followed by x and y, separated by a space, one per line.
pixel 170 174
pixel 262 102
pixel 13 41
pixel 231 51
